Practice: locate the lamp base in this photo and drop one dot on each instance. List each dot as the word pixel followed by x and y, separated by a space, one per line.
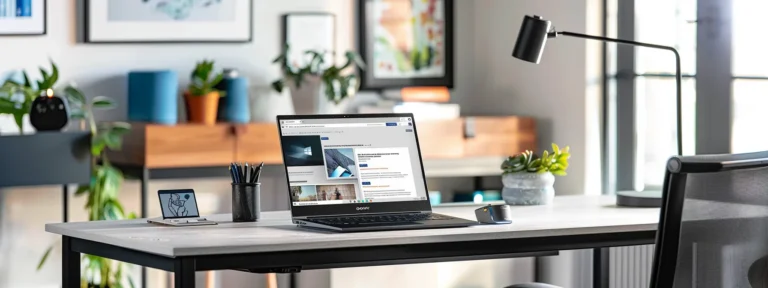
pixel 644 199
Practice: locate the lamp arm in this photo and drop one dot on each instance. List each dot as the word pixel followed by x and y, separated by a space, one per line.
pixel 679 74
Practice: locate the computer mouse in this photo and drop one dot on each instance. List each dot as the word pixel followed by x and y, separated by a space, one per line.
pixel 494 214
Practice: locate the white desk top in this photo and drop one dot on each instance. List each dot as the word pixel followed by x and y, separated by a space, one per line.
pixel 569 215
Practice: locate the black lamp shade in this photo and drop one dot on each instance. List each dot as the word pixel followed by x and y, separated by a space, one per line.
pixel 532 38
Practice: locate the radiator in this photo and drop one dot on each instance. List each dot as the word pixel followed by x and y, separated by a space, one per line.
pixel 630 267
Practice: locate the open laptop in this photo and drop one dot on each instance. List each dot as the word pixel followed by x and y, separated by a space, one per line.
pixel 354 173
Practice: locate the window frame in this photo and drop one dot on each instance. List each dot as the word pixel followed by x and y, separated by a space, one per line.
pixel 713 123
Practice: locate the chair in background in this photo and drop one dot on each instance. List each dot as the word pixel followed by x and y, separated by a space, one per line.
pixel 713 230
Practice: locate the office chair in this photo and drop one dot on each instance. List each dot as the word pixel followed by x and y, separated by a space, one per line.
pixel 713 229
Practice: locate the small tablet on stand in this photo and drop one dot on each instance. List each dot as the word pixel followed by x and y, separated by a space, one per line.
pixel 179 209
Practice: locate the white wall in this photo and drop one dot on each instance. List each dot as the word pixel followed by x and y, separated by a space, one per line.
pixel 489 82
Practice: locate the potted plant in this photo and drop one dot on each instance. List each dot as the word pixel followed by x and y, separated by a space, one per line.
pixel 16 97
pixel 202 97
pixel 102 192
pixel 318 88
pixel 529 180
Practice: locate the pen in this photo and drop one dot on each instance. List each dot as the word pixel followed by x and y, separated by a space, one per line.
pixel 258 173
pixel 237 173
pixel 231 174
pixel 242 173
pixel 245 173
pixel 253 175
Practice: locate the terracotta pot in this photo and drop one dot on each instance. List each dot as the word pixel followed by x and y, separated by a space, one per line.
pixel 202 109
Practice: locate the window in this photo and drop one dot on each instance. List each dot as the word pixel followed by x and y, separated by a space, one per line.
pixel 645 88
pixel 725 85
pixel 749 76
pixel 308 151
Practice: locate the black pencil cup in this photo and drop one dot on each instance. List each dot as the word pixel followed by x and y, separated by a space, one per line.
pixel 245 202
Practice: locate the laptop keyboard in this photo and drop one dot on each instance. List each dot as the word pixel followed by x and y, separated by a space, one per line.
pixel 379 219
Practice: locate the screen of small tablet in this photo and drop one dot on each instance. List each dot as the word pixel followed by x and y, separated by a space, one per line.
pixel 178 203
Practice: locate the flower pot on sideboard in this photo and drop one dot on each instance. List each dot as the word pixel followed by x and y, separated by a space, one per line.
pixel 202 109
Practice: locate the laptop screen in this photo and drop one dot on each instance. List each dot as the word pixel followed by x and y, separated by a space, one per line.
pixel 332 161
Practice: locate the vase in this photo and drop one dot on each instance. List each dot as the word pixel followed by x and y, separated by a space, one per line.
pixel 49 112
pixel 310 98
pixel 202 109
pixel 153 96
pixel 528 188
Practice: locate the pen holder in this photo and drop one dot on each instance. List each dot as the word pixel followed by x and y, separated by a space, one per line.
pixel 245 202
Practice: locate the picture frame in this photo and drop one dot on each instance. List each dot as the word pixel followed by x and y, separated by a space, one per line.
pixel 386 44
pixel 23 17
pixel 309 31
pixel 158 21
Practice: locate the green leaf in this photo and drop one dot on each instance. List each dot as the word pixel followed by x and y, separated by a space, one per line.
pixel 82 189
pixel 27 83
pixel 555 148
pixel 103 102
pixel 18 117
pixel 76 115
pixel 278 86
pixel 98 143
pixel 44 258
pixel 559 173
pixel 54 75
pixel 74 95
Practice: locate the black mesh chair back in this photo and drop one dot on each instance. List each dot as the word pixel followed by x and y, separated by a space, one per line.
pixel 713 230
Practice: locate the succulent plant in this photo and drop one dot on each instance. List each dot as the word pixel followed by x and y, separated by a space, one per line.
pixel 555 162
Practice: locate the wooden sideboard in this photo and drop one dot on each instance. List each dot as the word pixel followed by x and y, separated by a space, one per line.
pixel 186 145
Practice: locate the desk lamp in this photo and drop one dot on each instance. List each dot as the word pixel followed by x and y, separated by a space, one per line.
pixel 530 45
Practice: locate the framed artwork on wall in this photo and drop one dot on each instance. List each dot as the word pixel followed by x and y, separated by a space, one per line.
pixel 168 21
pixel 406 43
pixel 309 31
pixel 22 17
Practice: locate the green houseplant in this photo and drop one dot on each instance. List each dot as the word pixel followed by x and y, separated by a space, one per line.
pixel 202 96
pixel 316 84
pixel 16 97
pixel 529 180
pixel 102 192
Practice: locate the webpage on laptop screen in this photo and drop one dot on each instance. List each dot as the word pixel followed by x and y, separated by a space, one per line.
pixel 352 160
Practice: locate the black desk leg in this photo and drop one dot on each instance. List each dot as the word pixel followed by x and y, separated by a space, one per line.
pixel 601 262
pixel 65 204
pixel 184 273
pixel 70 265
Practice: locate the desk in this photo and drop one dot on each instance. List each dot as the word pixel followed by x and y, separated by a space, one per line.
pixel 275 245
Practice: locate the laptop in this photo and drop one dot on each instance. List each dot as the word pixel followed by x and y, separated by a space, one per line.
pixel 179 209
pixel 352 173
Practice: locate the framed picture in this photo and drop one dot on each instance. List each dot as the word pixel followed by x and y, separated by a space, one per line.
pixel 309 31
pixel 406 43
pixel 168 21
pixel 22 17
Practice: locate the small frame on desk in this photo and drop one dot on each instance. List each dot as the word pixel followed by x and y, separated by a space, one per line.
pixel 23 17
pixel 155 21
pixel 406 43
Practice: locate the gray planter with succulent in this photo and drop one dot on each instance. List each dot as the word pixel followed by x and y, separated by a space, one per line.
pixel 318 88
pixel 529 180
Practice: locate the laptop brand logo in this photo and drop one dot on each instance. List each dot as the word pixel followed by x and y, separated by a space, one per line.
pixel 363 208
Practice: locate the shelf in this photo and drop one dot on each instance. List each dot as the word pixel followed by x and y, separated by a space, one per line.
pixel 45 158
pixel 479 142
